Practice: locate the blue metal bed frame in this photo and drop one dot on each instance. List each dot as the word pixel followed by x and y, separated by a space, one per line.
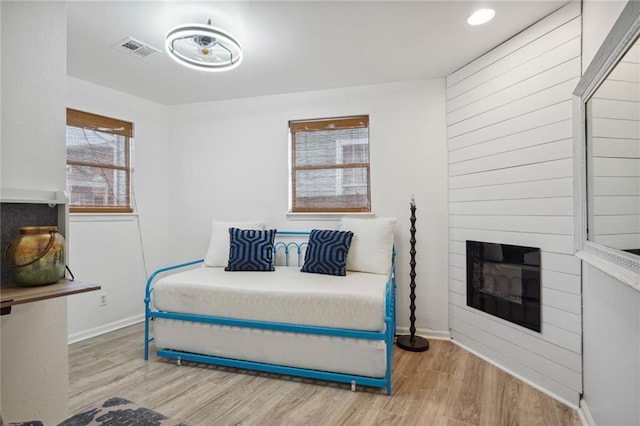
pixel 387 336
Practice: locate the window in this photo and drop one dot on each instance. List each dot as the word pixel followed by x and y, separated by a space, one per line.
pixel 330 165
pixel 98 163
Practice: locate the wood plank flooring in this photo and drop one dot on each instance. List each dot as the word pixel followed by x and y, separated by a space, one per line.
pixel 444 386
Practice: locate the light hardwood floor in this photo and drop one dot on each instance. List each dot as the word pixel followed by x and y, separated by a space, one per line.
pixel 444 386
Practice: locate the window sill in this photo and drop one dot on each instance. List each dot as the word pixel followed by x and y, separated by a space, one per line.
pixel 326 216
pixel 102 217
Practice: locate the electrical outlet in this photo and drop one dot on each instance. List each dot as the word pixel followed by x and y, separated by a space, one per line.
pixel 102 301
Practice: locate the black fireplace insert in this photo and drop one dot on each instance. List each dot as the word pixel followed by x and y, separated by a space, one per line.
pixel 504 280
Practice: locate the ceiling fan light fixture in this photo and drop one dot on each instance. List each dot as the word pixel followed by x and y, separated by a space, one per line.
pixel 203 47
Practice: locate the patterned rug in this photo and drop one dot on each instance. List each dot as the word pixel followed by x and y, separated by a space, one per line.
pixel 119 412
pixel 112 412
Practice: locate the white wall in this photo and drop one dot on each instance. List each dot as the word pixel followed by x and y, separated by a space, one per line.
pixel 33 97
pixel 511 181
pixel 111 250
pixel 34 346
pixel 611 349
pixel 229 161
pixel 611 309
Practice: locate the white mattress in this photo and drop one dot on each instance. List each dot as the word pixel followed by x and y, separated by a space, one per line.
pixel 335 354
pixel 286 295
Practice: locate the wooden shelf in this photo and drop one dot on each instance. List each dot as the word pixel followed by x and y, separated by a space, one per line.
pixel 15 295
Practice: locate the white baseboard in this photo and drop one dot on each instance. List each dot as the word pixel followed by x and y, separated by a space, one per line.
pixel 425 332
pixel 517 376
pixel 585 415
pixel 106 328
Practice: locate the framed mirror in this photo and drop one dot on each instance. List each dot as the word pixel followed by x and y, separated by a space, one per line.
pixel 613 156
pixel 607 117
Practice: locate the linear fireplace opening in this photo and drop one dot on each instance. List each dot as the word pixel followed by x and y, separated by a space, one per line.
pixel 504 280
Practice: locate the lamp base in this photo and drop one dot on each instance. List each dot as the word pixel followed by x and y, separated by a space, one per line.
pixel 418 344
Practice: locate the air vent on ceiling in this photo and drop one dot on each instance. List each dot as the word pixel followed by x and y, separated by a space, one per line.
pixel 135 47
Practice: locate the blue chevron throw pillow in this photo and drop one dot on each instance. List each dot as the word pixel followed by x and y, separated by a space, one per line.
pixel 327 252
pixel 251 250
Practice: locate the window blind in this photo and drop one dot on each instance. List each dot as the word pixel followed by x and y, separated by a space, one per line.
pixel 98 163
pixel 330 165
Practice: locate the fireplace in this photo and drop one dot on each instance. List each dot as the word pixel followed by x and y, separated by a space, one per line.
pixel 504 280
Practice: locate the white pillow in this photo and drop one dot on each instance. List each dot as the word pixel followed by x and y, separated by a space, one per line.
pixel 218 252
pixel 371 245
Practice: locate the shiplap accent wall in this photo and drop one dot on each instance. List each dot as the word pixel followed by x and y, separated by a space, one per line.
pixel 614 156
pixel 511 181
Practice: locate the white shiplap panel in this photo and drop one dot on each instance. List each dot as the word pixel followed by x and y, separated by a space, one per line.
pixel 548 188
pixel 535 154
pixel 561 300
pixel 457 273
pixel 620 90
pixel 562 225
pixel 632 55
pixel 458 260
pixel 558 55
pixel 612 108
pixel 531 137
pixel 562 282
pixel 520 336
pixel 567 263
pixel 542 117
pixel 612 128
pixel 505 64
pixel 531 89
pixel 620 241
pixel 511 173
pixel 618 205
pixel 457 247
pixel 546 242
pixel 458 286
pixel 616 148
pixel 532 172
pixel 535 207
pixel 606 186
pixel 625 71
pixel 616 224
pixel 517 108
pixel 557 19
pixel 562 319
pixel 569 340
pixel 615 167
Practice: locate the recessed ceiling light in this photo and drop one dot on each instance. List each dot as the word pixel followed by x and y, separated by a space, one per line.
pixel 481 16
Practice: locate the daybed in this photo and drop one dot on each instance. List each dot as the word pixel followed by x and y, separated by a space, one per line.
pixel 284 321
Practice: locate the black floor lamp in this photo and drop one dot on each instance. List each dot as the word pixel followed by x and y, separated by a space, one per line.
pixel 412 342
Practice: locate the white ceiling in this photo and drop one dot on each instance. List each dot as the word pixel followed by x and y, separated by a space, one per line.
pixel 288 46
